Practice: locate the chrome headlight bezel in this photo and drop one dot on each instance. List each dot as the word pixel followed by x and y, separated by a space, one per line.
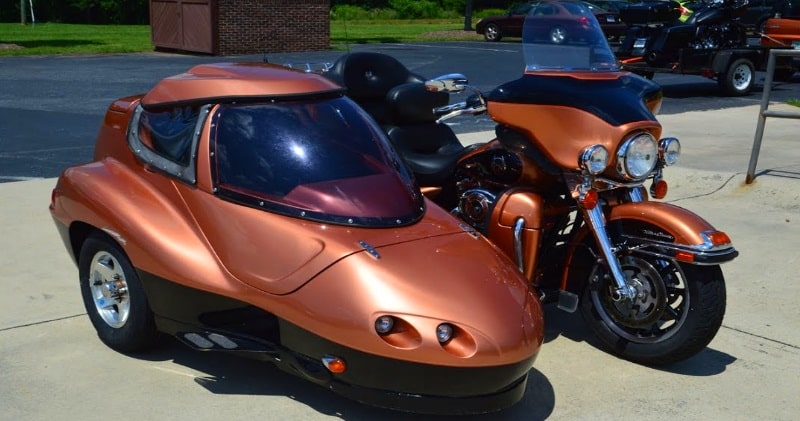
pixel 638 156
pixel 670 150
pixel 594 159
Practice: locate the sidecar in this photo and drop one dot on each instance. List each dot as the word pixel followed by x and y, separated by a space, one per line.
pixel 252 209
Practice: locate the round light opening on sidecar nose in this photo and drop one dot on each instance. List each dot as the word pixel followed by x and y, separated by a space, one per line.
pixel 384 324
pixel 444 332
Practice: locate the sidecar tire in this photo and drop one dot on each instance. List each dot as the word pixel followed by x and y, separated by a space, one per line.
pixel 738 79
pixel 492 33
pixel 114 297
pixel 702 320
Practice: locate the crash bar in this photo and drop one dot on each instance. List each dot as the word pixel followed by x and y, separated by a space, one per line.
pixel 764 112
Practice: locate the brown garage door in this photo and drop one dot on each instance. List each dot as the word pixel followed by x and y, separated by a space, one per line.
pixel 185 25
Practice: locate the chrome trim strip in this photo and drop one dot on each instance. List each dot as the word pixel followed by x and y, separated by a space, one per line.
pixel 369 249
pixel 519 225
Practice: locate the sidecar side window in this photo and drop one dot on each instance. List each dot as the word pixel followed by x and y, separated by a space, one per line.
pixel 167 138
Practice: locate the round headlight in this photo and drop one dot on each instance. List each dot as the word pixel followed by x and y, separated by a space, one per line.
pixel 384 324
pixel 670 149
pixel 594 159
pixel 637 156
pixel 444 332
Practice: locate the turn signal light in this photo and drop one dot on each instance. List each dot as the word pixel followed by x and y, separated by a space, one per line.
pixel 589 199
pixel 659 189
pixel 718 238
pixel 335 365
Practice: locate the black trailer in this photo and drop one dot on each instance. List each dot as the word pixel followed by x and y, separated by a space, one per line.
pixel 733 68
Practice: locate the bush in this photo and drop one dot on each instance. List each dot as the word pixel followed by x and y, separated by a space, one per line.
pixel 489 12
pixel 415 9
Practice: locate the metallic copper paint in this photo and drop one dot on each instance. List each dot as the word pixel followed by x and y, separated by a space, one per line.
pixel 514 204
pixel 561 133
pixel 209 82
pixel 310 274
pixel 684 225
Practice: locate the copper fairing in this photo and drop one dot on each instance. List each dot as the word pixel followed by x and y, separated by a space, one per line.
pixel 565 130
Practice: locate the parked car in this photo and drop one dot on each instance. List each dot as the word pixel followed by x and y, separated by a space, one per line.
pixel 494 28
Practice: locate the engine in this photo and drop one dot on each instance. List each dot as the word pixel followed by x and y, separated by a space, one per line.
pixel 481 180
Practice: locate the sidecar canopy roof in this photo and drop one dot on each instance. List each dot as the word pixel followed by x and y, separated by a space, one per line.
pixel 229 82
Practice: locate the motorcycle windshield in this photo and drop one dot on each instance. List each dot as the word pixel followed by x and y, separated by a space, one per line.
pixel 564 36
pixel 323 160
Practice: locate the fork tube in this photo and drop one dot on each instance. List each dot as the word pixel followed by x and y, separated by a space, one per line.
pixel 595 218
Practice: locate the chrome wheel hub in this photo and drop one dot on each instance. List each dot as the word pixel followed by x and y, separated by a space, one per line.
pixel 109 289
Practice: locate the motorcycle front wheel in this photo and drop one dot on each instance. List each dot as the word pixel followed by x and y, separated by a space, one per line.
pixel 677 311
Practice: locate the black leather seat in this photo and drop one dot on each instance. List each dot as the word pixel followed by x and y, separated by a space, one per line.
pixel 398 100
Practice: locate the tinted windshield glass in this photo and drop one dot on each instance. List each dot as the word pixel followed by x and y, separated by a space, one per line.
pixel 323 160
pixel 565 36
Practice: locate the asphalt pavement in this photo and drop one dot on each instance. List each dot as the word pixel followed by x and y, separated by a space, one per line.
pixel 52 366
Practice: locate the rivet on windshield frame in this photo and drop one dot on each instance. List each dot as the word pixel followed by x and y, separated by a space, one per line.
pixel 350 220
pixel 260 203
pixel 399 221
pixel 212 154
pixel 214 189
pixel 303 213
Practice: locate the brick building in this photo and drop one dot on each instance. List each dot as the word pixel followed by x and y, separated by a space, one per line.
pixel 239 27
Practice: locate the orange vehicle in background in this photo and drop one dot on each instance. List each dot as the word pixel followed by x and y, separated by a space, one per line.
pixel 252 209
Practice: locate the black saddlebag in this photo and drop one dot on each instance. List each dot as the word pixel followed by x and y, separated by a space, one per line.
pixel 650 12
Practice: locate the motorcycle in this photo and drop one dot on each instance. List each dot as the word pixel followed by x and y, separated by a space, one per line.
pixel 561 189
pixel 657 34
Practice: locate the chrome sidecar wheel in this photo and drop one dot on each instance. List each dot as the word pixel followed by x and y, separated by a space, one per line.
pixel 113 297
pixel 677 310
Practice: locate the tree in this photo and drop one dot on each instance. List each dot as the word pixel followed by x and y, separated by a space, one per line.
pixel 468 16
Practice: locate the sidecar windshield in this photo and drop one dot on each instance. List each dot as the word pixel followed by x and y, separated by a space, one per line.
pixel 323 160
pixel 564 36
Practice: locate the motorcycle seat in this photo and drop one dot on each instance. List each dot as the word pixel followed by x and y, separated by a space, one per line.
pixel 368 77
pixel 430 149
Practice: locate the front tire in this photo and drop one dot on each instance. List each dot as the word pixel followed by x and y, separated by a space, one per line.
pixel 678 309
pixel 114 297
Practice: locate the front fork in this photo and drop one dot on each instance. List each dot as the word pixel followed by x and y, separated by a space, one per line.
pixel 624 292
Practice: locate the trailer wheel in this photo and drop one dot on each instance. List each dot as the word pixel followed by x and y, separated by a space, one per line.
pixel 739 78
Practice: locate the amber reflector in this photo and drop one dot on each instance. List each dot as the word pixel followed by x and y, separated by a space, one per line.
pixel 684 256
pixel 589 199
pixel 659 189
pixel 335 365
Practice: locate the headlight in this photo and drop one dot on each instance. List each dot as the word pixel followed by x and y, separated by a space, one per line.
pixel 594 159
pixel 444 332
pixel 670 150
pixel 637 156
pixel 384 324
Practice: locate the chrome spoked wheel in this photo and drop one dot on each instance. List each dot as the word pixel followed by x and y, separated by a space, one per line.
pixel 109 289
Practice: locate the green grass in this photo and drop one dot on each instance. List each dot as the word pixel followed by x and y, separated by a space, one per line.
pixel 794 101
pixel 56 38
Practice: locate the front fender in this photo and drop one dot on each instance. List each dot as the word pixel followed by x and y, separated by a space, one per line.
pixel 669 231
pixel 654 228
